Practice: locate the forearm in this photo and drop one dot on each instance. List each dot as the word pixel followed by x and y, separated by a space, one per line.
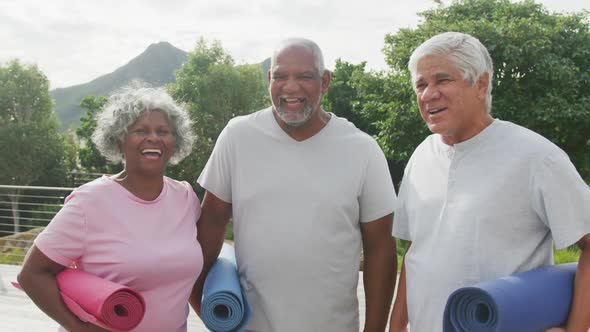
pixel 215 215
pixel 211 237
pixel 380 265
pixel 579 317
pixel 399 315
pixel 42 289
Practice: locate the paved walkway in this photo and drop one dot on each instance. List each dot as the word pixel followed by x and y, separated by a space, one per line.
pixel 19 314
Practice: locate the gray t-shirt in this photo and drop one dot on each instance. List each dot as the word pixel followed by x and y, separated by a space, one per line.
pixel 484 208
pixel 297 210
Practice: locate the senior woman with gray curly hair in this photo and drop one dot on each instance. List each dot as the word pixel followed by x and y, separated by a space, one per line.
pixel 136 228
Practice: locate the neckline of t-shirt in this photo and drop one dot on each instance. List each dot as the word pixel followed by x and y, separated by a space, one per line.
pixel 471 143
pixel 124 190
pixel 290 139
pixel 476 140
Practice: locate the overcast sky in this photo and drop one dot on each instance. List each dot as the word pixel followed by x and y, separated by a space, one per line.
pixel 74 42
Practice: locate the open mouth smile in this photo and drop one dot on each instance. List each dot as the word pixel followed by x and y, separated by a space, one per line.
pixel 436 110
pixel 151 153
pixel 284 100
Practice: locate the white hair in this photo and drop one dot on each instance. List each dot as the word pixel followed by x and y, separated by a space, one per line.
pixel 125 106
pixel 301 43
pixel 464 51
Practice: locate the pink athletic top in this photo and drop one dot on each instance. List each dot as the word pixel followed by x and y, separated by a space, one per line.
pixel 150 246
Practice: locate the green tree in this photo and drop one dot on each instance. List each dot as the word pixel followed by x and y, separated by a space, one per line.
pixel 541 60
pixel 90 159
pixel 24 94
pixel 344 96
pixel 71 150
pixel 399 126
pixel 214 90
pixel 32 149
pixel 375 102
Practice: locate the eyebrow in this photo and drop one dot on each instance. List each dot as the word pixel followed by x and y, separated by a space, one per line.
pixel 307 72
pixel 437 76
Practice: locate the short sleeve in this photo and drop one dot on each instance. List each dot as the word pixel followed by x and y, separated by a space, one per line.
pixel 63 239
pixel 216 175
pixel 561 199
pixel 401 227
pixel 193 199
pixel 377 197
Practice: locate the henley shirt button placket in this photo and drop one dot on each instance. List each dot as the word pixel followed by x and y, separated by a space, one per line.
pixel 451 176
pixel 450 187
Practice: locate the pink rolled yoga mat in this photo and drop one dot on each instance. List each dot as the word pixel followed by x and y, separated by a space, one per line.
pixel 99 301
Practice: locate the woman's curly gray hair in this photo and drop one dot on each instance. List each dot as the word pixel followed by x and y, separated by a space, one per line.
pixel 129 103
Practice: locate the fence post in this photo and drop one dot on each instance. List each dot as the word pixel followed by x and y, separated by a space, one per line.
pixel 15 214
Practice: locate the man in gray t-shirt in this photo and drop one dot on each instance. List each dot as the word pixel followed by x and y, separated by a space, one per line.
pixel 306 190
pixel 481 198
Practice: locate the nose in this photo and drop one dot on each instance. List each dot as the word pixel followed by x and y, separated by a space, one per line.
pixel 429 93
pixel 291 84
pixel 153 135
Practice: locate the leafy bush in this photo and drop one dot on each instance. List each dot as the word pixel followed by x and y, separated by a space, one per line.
pixel 567 255
pixel 13 257
pixel 229 232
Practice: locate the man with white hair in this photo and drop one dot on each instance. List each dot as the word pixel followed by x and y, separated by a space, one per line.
pixel 481 198
pixel 306 189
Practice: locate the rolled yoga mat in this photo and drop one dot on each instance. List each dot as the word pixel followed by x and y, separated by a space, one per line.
pixel 98 301
pixel 224 307
pixel 529 301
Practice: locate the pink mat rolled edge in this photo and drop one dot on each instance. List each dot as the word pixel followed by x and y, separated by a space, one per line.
pixel 100 302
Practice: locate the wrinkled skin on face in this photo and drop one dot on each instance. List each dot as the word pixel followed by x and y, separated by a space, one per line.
pixel 296 86
pixel 149 144
pixel 449 105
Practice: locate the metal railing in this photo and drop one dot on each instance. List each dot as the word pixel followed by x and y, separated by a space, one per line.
pixel 24 212
pixel 79 178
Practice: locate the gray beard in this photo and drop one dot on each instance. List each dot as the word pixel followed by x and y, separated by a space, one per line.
pixel 307 112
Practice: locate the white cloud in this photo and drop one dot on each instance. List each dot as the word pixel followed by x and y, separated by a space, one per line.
pixel 74 42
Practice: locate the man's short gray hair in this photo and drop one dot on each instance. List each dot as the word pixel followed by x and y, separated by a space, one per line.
pixel 464 51
pixel 302 43
pixel 125 106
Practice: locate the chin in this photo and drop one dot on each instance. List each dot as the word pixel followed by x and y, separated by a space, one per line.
pixel 433 129
pixel 296 123
pixel 437 128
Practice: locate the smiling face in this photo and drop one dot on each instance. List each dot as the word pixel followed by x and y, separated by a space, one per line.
pixel 296 86
pixel 149 144
pixel 449 105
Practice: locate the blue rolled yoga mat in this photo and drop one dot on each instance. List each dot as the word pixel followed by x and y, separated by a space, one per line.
pixel 529 301
pixel 224 308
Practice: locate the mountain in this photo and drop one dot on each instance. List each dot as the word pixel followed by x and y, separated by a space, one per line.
pixel 155 66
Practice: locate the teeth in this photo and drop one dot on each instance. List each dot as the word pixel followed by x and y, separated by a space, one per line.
pixel 434 111
pixel 151 151
pixel 292 100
